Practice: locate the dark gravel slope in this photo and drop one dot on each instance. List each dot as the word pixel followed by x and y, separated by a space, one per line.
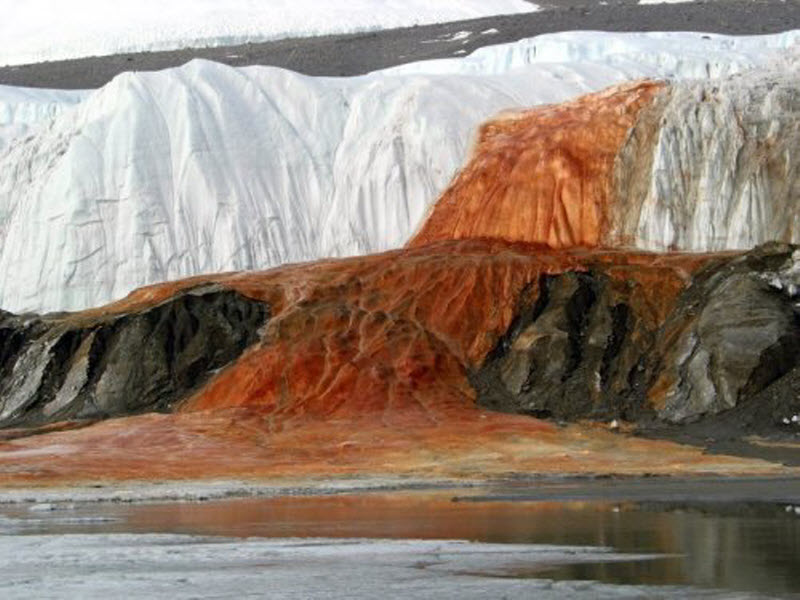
pixel 361 53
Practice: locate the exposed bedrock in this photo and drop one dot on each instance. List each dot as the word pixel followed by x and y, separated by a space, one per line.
pixel 586 346
pixel 425 337
pixel 85 366
pixel 576 351
pixel 735 330
pixel 572 335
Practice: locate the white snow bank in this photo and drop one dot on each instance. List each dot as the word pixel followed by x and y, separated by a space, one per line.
pixel 208 168
pixel 21 108
pixel 41 30
pixel 164 566
pixel 671 54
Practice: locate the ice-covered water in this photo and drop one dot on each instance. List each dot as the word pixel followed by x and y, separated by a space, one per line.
pixel 408 545
pixel 180 566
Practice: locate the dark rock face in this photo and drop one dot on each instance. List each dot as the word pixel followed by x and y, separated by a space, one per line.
pixel 586 349
pixel 56 368
pixel 593 341
pixel 735 331
pixel 576 351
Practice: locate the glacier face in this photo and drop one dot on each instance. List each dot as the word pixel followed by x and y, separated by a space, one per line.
pixel 23 108
pixel 208 168
pixel 39 30
pixel 678 55
pixel 723 171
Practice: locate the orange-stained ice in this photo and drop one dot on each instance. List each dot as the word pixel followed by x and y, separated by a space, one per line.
pixel 544 175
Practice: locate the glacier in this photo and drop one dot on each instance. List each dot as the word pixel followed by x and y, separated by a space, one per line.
pixel 41 30
pixel 724 169
pixel 208 168
pixel 22 108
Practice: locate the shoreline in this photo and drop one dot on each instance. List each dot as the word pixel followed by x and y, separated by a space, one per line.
pixel 699 488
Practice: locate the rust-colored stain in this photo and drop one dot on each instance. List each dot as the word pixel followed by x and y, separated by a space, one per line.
pixel 398 331
pixel 238 444
pixel 362 370
pixel 544 175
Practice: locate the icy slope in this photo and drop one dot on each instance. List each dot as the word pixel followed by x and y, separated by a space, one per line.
pixel 722 170
pixel 22 108
pixel 208 168
pixel 40 30
pixel 699 165
pixel 672 54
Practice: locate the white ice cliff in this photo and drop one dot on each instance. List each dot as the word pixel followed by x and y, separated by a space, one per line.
pixel 724 171
pixel 22 108
pixel 208 168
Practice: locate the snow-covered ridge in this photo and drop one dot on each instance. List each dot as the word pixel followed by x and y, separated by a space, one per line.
pixel 674 55
pixel 41 30
pixel 209 168
pixel 21 108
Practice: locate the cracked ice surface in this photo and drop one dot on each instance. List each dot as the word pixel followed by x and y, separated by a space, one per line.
pixel 22 108
pixel 181 566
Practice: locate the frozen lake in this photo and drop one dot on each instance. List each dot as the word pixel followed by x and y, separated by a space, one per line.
pixel 420 545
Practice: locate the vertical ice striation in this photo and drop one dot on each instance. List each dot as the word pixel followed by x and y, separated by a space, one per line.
pixel 207 168
pixel 723 171
pixel 21 109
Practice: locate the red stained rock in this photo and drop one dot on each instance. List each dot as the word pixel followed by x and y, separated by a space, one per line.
pixel 362 370
pixel 395 333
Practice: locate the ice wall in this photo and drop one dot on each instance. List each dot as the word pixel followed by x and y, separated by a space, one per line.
pixel 208 168
pixel 723 168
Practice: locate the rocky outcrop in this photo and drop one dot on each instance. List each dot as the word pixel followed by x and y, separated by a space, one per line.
pixel 578 350
pixel 585 349
pixel 429 333
pixel 424 336
pixel 378 364
pixel 735 330
pixel 56 368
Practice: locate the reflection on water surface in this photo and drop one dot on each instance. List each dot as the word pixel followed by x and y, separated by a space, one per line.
pixel 738 546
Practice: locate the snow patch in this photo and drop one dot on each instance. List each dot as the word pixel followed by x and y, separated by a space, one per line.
pixel 681 55
pixel 183 566
pixel 42 30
